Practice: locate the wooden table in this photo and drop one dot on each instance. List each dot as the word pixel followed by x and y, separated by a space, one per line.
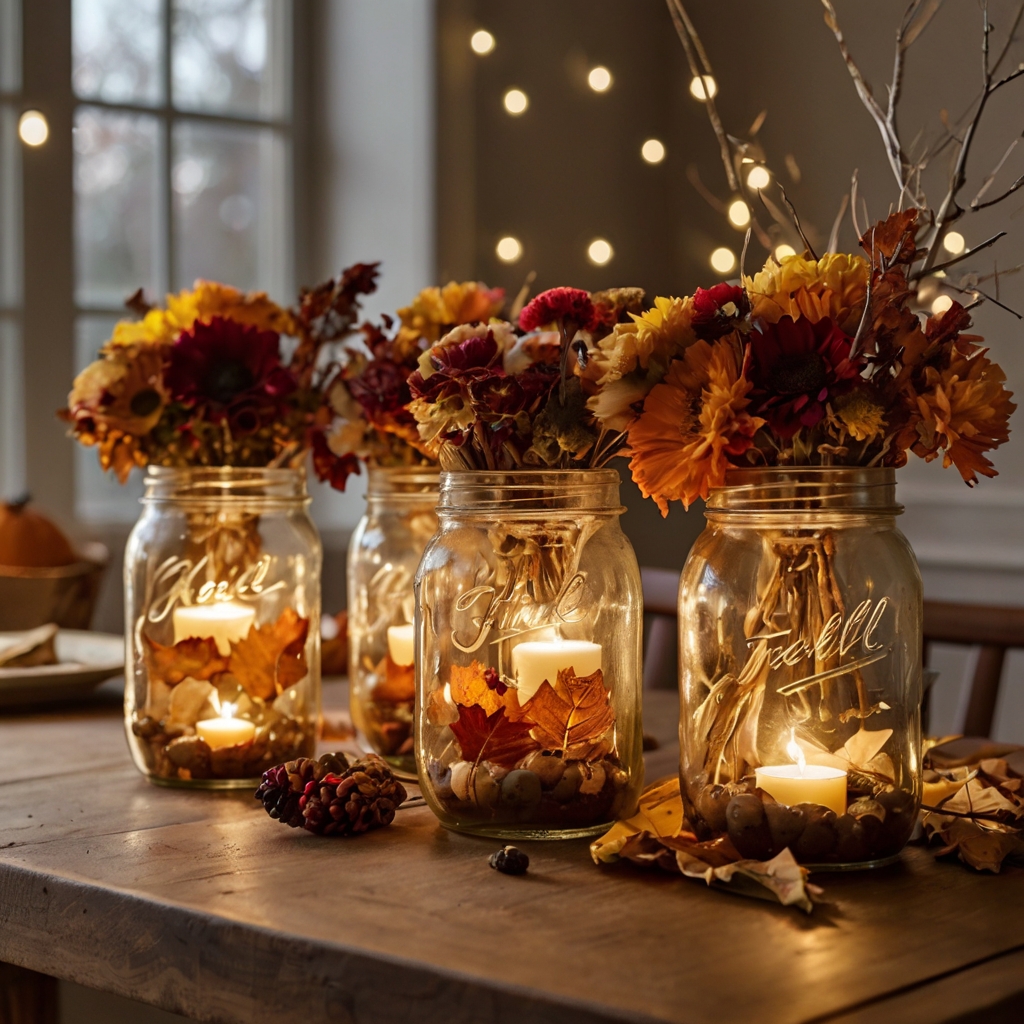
pixel 200 904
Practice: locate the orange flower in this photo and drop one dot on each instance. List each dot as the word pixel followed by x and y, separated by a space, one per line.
pixel 691 423
pixel 436 310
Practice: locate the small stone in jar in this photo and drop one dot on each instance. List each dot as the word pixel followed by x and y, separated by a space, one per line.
pixel 711 803
pixel 547 765
pixel 786 824
pixel 593 779
pixel 462 772
pixel 486 789
pixel 568 784
pixel 850 845
pixel 866 807
pixel 818 838
pixel 440 778
pixel 521 791
pixel 509 860
pixel 191 753
pixel 747 826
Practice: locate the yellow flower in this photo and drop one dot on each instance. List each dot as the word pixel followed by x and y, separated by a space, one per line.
pixel 834 286
pixel 435 310
pixel 863 419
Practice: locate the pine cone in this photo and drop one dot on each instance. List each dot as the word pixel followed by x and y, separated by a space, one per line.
pixel 362 797
pixel 284 786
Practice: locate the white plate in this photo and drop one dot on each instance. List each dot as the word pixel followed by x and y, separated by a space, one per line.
pixel 85 660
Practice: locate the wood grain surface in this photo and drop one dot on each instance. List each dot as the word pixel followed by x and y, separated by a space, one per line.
pixel 200 904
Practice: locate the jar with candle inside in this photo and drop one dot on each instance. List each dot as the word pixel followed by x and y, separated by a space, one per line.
pixel 800 610
pixel 222 604
pixel 528 632
pixel 383 554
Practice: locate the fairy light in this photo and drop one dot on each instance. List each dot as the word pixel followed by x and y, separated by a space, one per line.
pixel 941 304
pixel 758 177
pixel 509 249
pixel 33 128
pixel 739 213
pixel 653 151
pixel 516 101
pixel 723 260
pixel 703 87
pixel 481 42
pixel 783 250
pixel 600 252
pixel 953 242
pixel 599 79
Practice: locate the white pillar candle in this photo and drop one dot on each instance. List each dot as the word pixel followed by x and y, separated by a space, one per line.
pixel 226 731
pixel 400 644
pixel 535 661
pixel 804 783
pixel 221 621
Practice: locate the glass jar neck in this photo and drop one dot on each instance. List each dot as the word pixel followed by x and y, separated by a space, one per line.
pixel 252 489
pixel 530 492
pixel 787 489
pixel 402 486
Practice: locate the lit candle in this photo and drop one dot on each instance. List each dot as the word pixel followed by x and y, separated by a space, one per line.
pixel 221 621
pixel 226 731
pixel 400 645
pixel 533 661
pixel 804 783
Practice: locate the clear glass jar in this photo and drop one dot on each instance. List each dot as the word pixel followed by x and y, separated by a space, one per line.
pixel 800 611
pixel 528 641
pixel 222 607
pixel 383 554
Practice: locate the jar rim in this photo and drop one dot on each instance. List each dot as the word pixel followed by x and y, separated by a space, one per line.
pixel 259 486
pixel 786 489
pixel 530 491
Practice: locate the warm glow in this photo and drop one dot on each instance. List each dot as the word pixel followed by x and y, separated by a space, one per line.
pixel 33 128
pixel 954 243
pixel 784 250
pixel 481 41
pixel 599 79
pixel 758 178
pixel 516 101
pixel 739 213
pixel 795 752
pixel 227 709
pixel 941 304
pixel 600 252
pixel 509 249
pixel 653 151
pixel 702 87
pixel 723 260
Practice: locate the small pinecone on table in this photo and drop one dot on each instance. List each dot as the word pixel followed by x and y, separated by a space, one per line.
pixel 284 785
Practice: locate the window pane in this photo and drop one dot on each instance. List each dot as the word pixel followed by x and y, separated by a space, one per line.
pixel 116 206
pixel 10 209
pixel 12 411
pixel 117 50
pixel 10 45
pixel 228 190
pixel 229 56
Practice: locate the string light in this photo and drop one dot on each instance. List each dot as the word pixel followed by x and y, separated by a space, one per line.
pixel 758 177
pixel 509 249
pixel 723 260
pixel 33 128
pixel 953 242
pixel 481 42
pixel 599 79
pixel 653 151
pixel 941 304
pixel 783 250
pixel 600 252
pixel 739 213
pixel 516 101
pixel 703 87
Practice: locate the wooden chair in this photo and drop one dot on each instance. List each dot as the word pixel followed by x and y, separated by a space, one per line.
pixel 992 630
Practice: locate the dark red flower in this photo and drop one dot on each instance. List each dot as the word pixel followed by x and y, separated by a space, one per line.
pixel 571 306
pixel 221 362
pixel 380 389
pixel 336 469
pixel 493 681
pixel 711 318
pixel 796 367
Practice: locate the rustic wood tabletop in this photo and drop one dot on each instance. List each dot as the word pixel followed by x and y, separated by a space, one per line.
pixel 200 904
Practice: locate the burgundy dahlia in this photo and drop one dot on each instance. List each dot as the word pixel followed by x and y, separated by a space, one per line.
pixel 380 389
pixel 716 309
pixel 796 367
pixel 568 305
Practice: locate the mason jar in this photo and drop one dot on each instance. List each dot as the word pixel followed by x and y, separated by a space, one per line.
pixel 383 554
pixel 222 608
pixel 528 647
pixel 800 610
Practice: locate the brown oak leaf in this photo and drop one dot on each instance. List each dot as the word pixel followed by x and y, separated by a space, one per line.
pixel 573 715
pixel 495 738
pixel 894 235
pixel 273 657
pixel 398 682
pixel 984 849
pixel 194 657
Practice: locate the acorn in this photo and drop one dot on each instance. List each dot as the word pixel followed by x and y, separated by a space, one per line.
pixel 747 827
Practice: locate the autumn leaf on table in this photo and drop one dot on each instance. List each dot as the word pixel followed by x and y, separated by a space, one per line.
pixel 398 684
pixel 984 848
pixel 193 657
pixel 573 715
pixel 495 738
pixel 273 657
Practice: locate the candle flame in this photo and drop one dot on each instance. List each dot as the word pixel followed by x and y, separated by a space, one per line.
pixel 795 751
pixel 227 710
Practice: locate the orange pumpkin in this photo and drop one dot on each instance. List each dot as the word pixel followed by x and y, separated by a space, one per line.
pixel 29 540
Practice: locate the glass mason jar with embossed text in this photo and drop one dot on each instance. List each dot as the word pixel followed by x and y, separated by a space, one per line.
pixel 800 611
pixel 528 639
pixel 383 554
pixel 222 638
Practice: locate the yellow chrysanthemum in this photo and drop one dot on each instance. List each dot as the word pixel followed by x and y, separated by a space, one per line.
pixel 863 419
pixel 834 286
pixel 436 309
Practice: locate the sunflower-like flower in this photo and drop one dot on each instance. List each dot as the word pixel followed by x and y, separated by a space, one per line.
pixel 860 415
pixel 693 425
pixel 834 287
pixel 436 310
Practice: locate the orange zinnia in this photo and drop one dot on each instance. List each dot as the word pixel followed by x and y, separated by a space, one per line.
pixel 691 424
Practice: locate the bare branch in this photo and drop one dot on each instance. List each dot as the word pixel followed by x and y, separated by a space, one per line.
pixel 796 222
pixel 863 325
pixel 992 202
pixel 694 178
pixel 992 177
pixel 976 292
pixel 853 203
pixel 743 256
pixel 833 238
pixel 967 254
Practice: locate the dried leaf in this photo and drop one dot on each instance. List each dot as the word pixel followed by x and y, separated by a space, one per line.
pixel 984 849
pixel 894 235
pixel 194 657
pixel 271 658
pixel 441 709
pixel 468 685
pixel 573 715
pixel 495 738
pixel 398 684
pixel 659 814
pixel 780 879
